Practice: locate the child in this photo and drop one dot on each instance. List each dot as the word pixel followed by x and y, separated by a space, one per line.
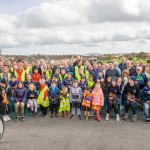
pixel 75 99
pixel 87 101
pixel 36 76
pixel 42 99
pixel 82 84
pixel 54 95
pixel 98 100
pixel 20 96
pixel 31 97
pixel 146 101
pixel 113 92
pixel 5 93
pixel 64 102
pixel 90 82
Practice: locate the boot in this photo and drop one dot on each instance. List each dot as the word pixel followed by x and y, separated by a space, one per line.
pixel 134 118
pixel 107 117
pixel 125 118
pixel 117 117
pixel 63 114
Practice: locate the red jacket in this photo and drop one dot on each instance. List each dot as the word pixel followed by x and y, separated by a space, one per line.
pixel 36 77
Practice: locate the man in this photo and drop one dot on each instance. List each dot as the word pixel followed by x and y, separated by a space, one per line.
pixel 116 67
pixel 20 72
pixel 78 58
pixel 28 81
pixel 5 74
pixel 95 71
pixel 140 77
pixel 77 68
pixel 122 65
pixel 111 72
pixel 27 68
pixel 130 68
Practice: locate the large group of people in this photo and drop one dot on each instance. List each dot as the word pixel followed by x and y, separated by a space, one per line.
pixel 80 89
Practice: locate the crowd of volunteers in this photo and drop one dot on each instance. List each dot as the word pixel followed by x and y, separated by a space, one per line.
pixel 80 89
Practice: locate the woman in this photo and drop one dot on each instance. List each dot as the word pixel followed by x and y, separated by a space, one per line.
pixel 130 93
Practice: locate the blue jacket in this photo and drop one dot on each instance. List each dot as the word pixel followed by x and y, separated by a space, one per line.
pixel 67 83
pixel 54 95
pixel 82 85
pixel 146 94
pixel 20 94
pixel 95 73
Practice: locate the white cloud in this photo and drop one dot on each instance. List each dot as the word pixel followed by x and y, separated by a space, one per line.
pixel 84 24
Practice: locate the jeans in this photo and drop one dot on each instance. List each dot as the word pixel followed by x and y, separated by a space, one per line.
pixel 76 108
pixel 147 110
pixel 131 104
pixel 110 104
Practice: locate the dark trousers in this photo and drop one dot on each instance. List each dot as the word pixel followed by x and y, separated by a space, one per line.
pixel 44 110
pixel 129 104
pixel 112 104
pixel 4 110
pixel 54 108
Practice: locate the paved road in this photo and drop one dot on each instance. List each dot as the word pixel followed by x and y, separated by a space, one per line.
pixel 65 134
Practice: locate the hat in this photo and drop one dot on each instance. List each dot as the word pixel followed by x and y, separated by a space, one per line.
pixel 70 73
pixel 114 79
pixel 3 80
pixel 132 78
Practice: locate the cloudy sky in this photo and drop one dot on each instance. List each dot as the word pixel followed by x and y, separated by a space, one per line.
pixel 74 26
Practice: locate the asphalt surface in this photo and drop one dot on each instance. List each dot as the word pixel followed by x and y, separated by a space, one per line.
pixel 65 134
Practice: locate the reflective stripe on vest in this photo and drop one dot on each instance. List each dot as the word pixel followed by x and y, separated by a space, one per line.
pixel 40 99
pixel 22 78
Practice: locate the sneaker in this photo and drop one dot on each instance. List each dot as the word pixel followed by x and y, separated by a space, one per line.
pixel 117 117
pixel 22 118
pixel 5 118
pixel 125 118
pixel 16 119
pixel 107 117
pixel 79 117
pixel 35 114
pixel 56 115
pixel 72 116
pixel 44 116
pixel 8 118
pixel 32 113
pixel 41 115
pixel 134 118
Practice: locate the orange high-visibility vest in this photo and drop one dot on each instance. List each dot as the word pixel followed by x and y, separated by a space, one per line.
pixel 20 76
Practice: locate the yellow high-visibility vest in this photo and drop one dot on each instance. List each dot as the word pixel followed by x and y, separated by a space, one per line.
pixel 22 75
pixel 28 69
pixel 8 76
pixel 49 74
pixel 77 71
pixel 40 99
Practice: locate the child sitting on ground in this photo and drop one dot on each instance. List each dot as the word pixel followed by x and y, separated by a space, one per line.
pixel 64 102
pixel 31 97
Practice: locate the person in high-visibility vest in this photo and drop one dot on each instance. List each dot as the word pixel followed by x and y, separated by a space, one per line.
pixel 77 68
pixel 27 67
pixel 63 75
pixel 5 74
pixel 43 99
pixel 20 72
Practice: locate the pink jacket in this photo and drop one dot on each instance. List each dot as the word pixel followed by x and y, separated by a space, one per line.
pixel 98 97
